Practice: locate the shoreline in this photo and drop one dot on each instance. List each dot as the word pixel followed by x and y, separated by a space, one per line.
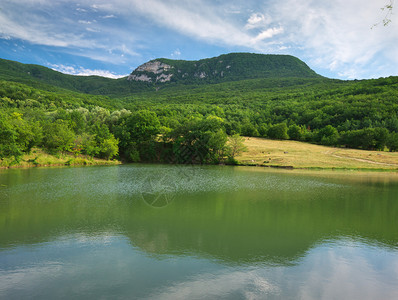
pixel 292 168
pixel 315 168
pixel 264 153
pixel 40 159
pixel 110 163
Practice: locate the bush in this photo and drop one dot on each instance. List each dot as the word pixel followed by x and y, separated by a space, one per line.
pixel 278 132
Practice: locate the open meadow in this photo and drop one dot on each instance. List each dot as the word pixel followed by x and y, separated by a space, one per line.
pixel 265 152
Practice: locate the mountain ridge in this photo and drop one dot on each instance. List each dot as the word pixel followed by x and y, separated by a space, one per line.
pixel 226 67
pixel 162 72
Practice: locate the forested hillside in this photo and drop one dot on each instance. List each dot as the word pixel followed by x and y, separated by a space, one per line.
pixel 192 122
pixel 47 79
pixel 227 67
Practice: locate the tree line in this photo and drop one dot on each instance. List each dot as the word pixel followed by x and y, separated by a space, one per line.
pixel 199 124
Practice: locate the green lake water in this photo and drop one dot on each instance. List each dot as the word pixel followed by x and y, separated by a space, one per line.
pixel 204 232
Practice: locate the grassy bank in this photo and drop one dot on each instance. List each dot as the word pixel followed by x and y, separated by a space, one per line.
pixel 298 155
pixel 39 158
pixel 261 152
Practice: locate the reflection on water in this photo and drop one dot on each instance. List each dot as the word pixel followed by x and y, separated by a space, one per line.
pixel 169 232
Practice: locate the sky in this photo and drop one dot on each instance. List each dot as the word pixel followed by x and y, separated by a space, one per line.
pixel 111 38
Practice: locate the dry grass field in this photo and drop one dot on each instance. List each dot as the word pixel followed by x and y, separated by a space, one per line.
pixel 264 152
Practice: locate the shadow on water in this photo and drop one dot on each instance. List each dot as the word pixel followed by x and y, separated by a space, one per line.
pixel 236 215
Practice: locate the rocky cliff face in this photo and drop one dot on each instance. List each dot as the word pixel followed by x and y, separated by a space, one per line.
pixel 153 71
pixel 157 71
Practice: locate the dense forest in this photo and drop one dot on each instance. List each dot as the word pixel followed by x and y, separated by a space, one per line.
pixel 193 122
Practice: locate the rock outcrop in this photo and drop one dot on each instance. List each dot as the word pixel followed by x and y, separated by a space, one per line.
pixel 153 71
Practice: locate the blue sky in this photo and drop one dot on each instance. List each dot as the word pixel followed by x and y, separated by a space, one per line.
pixel 111 38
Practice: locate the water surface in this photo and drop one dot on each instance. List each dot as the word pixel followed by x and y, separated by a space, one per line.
pixel 183 232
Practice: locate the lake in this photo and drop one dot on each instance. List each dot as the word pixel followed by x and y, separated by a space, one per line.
pixel 203 232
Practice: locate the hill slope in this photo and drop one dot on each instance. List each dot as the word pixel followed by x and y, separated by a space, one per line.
pixel 45 78
pixel 227 67
pixel 162 72
pixel 299 155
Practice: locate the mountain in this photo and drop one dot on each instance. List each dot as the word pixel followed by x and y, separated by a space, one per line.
pixel 46 78
pixel 227 67
pixel 162 72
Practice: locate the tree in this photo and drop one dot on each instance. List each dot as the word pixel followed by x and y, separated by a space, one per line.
pixel 137 133
pixel 263 130
pixel 296 132
pixel 366 138
pixel 87 143
pixel 58 137
pixel 278 131
pixel 17 136
pixel 248 129
pixel 216 145
pixel 236 145
pixel 109 148
pixel 392 142
pixel 381 136
pixel 143 125
pixel 200 141
pixel 388 8
pixel 328 135
pixel 8 140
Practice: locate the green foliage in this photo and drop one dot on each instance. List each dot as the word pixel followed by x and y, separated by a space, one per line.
pixel 16 135
pixel 8 140
pixel 328 135
pixel 87 144
pixel 188 121
pixel 233 67
pixel 137 133
pixel 392 142
pixel 381 136
pixel 248 129
pixel 236 145
pixel 143 125
pixel 200 141
pixel 296 132
pixel 278 132
pixel 109 148
pixel 366 138
pixel 228 67
pixel 57 137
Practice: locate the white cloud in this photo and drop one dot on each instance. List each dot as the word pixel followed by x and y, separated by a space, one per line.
pixel 194 19
pixel 257 20
pixel 102 6
pixel 211 286
pixel 266 34
pixel 84 22
pixel 30 32
pixel 330 35
pixel 27 22
pixel 349 270
pixel 53 23
pixel 80 71
pixel 337 35
pixel 209 21
pixel 93 29
pixel 108 17
pixel 176 53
